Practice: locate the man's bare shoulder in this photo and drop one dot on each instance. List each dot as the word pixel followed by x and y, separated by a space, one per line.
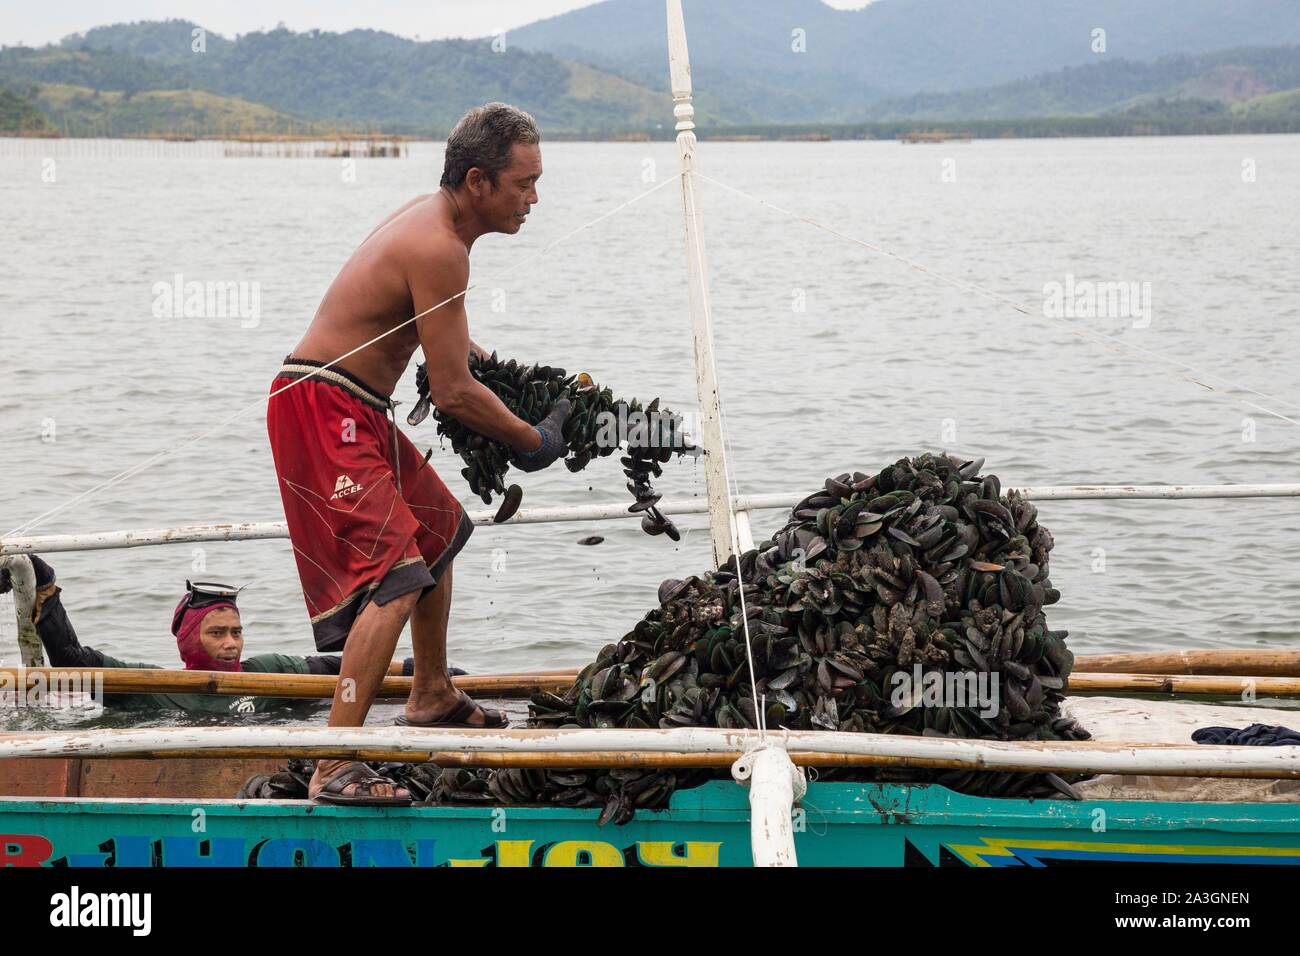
pixel 433 258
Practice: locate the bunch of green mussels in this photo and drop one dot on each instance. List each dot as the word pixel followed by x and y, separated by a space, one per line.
pixel 909 601
pixel 598 424
pixel 879 590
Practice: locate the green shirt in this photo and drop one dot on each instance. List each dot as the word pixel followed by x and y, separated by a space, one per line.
pixel 213 703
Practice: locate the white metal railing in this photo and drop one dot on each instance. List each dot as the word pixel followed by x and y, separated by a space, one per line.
pixel 741 504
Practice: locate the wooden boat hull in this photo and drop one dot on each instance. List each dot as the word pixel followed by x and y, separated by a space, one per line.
pixel 883 825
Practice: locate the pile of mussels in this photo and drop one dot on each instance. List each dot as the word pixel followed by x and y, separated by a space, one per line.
pixel 925 568
pixel 597 425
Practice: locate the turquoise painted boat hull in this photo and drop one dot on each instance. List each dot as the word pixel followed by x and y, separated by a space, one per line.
pixel 840 824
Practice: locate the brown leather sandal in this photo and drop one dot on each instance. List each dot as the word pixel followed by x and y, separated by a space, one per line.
pixel 459 715
pixel 365 780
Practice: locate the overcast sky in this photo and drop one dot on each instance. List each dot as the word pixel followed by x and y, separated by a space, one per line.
pixel 36 23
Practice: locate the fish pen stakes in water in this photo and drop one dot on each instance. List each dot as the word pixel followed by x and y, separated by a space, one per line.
pixel 367 148
pixel 173 147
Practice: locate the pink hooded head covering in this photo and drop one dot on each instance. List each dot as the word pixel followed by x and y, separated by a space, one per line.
pixel 190 644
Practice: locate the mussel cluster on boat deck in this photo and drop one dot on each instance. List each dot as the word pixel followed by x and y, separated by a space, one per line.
pixel 923 568
pixel 597 424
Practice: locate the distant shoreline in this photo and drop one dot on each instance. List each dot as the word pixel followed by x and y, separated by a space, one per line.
pixel 1049 127
pixel 1063 127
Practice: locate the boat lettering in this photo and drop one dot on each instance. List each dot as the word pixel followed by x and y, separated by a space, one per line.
pixel 196 851
pixel 24 849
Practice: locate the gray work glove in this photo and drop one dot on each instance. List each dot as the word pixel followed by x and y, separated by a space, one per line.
pixel 553 445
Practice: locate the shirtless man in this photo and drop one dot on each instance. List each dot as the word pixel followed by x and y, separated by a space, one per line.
pixel 374 529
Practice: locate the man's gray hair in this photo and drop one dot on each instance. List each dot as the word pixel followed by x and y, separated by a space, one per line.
pixel 483 138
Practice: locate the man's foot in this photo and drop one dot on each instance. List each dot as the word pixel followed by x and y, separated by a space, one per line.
pixel 458 709
pixel 353 783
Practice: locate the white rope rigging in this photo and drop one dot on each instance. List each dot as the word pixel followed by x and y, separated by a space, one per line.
pixel 1110 341
pixel 134 470
pixel 688 191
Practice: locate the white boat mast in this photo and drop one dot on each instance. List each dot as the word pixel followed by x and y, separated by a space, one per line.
pixel 706 383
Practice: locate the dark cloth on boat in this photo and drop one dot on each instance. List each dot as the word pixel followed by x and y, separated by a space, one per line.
pixel 1256 735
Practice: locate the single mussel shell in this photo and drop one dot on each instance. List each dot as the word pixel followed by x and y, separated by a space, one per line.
pixel 672 588
pixel 420 411
pixel 650 526
pixel 509 504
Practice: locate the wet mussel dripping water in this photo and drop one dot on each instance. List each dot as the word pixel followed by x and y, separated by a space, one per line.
pixel 597 425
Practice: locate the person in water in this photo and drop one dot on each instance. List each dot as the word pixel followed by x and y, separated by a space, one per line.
pixel 209 637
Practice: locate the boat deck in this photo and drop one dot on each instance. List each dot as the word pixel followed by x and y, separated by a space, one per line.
pixel 1120 719
pixel 1107 718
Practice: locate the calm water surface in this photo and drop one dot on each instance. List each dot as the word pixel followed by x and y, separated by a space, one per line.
pixel 831 357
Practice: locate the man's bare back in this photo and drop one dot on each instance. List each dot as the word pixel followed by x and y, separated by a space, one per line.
pixel 372 292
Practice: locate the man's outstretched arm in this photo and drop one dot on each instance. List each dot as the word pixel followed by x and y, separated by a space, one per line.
pixel 444 337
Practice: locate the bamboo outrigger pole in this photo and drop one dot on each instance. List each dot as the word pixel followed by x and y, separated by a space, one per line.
pixel 132 680
pixel 1216 685
pixel 1254 681
pixel 1246 663
pixel 830 748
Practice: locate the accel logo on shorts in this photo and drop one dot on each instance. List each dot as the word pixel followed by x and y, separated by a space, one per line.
pixel 344 486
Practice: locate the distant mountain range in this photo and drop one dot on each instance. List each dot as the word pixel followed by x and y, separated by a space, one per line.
pixel 17 113
pixel 745 65
pixel 602 70
pixel 1114 86
pixel 278 81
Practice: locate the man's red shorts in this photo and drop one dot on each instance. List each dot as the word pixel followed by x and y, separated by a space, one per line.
pixel 368 518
